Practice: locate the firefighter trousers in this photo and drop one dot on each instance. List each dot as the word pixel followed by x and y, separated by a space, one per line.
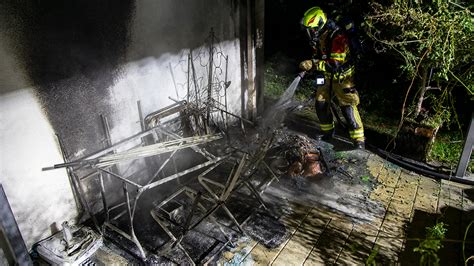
pixel 348 99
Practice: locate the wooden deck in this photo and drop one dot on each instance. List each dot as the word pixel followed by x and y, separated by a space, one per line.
pixel 368 211
pixel 379 215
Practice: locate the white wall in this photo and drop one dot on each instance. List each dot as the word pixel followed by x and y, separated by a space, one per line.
pixel 150 81
pixel 162 35
pixel 38 199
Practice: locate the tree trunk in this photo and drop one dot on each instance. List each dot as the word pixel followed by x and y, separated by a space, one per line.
pixel 423 88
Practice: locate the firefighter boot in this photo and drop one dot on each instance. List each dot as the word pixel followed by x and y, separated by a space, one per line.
pixel 326 136
pixel 354 124
pixel 325 121
pixel 359 145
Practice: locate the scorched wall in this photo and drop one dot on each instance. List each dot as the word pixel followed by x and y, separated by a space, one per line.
pixel 64 63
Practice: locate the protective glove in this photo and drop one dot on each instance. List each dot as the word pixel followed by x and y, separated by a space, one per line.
pixel 306 65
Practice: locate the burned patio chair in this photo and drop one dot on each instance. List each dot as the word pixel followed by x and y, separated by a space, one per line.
pixel 219 198
pixel 170 213
pixel 242 176
pixel 177 217
pixel 257 162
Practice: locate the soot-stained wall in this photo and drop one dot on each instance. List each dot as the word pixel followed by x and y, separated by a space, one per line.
pixel 67 62
pixel 71 52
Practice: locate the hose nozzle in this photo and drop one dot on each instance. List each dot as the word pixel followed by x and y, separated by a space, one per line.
pixel 301 74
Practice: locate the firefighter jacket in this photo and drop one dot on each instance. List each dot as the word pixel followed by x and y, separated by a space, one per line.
pixel 332 55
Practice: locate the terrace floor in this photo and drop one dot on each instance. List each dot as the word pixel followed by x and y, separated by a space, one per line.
pixel 368 210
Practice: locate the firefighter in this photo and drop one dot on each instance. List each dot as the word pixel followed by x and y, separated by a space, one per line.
pixel 332 62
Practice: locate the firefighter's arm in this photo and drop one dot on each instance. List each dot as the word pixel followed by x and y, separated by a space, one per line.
pixel 313 64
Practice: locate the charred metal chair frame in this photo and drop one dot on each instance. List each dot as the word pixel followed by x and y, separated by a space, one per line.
pixel 90 162
pixel 242 177
pixel 208 212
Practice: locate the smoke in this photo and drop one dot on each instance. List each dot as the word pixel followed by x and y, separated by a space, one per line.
pixel 275 115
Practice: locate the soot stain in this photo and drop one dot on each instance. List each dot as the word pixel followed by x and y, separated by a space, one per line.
pixel 71 52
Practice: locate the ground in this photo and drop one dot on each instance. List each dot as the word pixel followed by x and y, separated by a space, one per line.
pixel 365 210
pixel 368 208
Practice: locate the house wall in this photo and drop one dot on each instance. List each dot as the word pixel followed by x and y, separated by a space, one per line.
pixel 66 63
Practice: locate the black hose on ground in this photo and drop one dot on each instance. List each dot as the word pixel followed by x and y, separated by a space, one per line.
pixel 399 160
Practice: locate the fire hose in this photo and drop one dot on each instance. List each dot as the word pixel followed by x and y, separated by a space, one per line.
pixel 418 168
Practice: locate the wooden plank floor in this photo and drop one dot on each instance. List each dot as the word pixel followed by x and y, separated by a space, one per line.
pixel 320 233
pixel 368 211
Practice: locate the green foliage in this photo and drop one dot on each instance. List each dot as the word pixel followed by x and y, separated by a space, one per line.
pixel 435 118
pixel 354 247
pixel 371 259
pixel 447 149
pixel 305 90
pixel 437 33
pixel 434 43
pixel 376 122
pixel 340 155
pixel 276 82
pixel 429 247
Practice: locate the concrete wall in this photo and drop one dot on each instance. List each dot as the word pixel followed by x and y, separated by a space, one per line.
pixel 65 63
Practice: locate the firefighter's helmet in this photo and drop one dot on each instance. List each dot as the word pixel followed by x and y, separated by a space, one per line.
pixel 314 18
pixel 313 21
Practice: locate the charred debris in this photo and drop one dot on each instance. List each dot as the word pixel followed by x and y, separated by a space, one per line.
pixel 188 185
